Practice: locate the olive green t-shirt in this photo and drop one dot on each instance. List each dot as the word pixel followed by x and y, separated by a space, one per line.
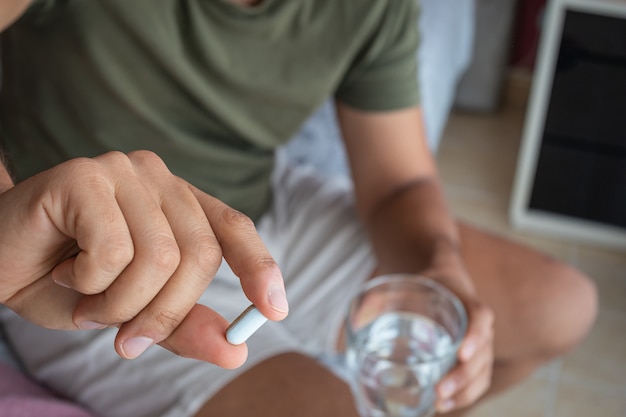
pixel 211 87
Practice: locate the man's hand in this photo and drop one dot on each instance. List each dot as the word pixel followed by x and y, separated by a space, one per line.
pixel 471 377
pixel 118 240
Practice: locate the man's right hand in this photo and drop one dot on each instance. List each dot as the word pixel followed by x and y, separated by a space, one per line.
pixel 118 240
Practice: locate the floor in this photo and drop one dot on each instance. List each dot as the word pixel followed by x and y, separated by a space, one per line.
pixel 477 159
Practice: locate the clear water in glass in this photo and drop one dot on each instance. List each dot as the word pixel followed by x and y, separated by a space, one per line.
pixel 396 361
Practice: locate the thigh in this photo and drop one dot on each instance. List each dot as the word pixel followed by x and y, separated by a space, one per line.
pixel 286 385
pixel 541 305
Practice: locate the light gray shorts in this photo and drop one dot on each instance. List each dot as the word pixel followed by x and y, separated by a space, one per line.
pixel 312 232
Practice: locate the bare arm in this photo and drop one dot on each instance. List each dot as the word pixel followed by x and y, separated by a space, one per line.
pixel 401 201
pixel 398 190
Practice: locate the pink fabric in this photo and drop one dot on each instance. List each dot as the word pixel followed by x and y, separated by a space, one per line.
pixel 21 397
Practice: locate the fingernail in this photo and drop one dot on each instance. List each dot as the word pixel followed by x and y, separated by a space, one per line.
pixel 90 325
pixel 136 346
pixel 446 406
pixel 278 298
pixel 447 389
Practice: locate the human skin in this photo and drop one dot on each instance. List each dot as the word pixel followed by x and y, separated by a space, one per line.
pixel 118 240
pixel 524 308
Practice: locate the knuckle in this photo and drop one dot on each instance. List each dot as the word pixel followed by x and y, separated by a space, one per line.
pixel 96 271
pixel 167 321
pixel 80 165
pixel 165 254
pixel 180 183
pixel 261 263
pixel 144 158
pixel 207 254
pixel 235 218
pixel 81 172
pixel 114 159
pixel 116 156
pixel 90 175
pixel 116 253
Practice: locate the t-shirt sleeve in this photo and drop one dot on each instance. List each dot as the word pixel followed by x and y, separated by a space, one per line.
pixel 384 74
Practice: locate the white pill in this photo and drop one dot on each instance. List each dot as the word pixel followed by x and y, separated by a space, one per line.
pixel 245 325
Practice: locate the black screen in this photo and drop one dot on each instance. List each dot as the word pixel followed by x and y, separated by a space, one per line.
pixel 581 169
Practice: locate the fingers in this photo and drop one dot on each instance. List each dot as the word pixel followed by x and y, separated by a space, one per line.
pixel 156 258
pixel 148 245
pixel 88 211
pixel 479 330
pixel 149 301
pixel 260 276
pixel 46 304
pixel 466 385
pixel 471 378
pixel 200 258
pixel 176 256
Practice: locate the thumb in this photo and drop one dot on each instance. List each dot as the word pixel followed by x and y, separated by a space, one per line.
pixel 201 335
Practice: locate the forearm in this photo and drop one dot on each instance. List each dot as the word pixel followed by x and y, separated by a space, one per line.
pixel 407 225
pixel 412 230
pixel 399 196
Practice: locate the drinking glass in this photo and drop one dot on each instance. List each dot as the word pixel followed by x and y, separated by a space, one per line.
pixel 402 335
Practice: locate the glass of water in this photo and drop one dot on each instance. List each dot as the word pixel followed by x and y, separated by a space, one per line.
pixel 402 334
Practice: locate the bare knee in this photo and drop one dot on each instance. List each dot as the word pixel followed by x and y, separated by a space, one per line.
pixel 565 310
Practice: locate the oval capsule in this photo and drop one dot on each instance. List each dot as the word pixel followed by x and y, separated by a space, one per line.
pixel 244 326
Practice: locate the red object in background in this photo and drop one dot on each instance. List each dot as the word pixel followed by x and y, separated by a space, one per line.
pixel 527 32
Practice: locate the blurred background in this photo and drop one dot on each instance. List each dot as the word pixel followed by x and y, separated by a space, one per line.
pixel 478 157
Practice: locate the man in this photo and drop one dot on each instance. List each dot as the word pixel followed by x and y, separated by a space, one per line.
pixel 213 88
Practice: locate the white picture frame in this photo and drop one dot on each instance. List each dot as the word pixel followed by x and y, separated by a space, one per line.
pixel 521 216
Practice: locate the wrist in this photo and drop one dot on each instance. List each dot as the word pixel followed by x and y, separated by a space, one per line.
pixel 447 266
pixel 446 253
